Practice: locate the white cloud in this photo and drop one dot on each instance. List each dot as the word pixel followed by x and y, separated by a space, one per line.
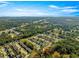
pixel 70 10
pixel 65 10
pixel 53 10
pixel 18 9
pixel 3 3
pixel 58 7
pixel 26 12
pixel 53 6
pixel 68 7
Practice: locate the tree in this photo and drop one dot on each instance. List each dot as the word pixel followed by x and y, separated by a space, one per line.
pixel 74 56
pixel 34 54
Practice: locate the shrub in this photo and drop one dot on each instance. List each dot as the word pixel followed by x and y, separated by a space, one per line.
pixel 56 54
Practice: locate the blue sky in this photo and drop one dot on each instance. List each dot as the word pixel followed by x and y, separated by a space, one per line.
pixel 39 8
